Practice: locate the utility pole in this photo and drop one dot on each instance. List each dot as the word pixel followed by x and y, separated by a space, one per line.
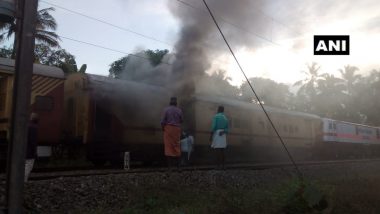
pixel 26 14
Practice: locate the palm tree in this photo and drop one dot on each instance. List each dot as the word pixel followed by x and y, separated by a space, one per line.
pixel 45 27
pixel 308 90
pixel 349 76
pixel 329 101
pixel 352 87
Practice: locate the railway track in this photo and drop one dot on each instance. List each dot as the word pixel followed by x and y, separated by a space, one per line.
pixel 35 176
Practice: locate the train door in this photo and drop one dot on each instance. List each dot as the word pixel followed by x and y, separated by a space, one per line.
pixel 99 150
pixel 4 119
pixel 103 125
pixel 329 131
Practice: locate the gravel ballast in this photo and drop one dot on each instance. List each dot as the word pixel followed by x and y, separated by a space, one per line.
pixel 142 192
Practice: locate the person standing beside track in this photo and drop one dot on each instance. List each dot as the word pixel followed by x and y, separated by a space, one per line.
pixel 219 130
pixel 31 149
pixel 171 126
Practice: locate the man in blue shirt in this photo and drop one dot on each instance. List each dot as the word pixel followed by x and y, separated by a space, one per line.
pixel 219 130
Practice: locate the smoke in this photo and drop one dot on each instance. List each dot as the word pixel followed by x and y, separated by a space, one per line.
pixel 140 69
pixel 199 41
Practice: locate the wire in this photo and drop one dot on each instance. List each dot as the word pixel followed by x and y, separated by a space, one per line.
pixel 232 24
pixel 107 23
pixel 110 49
pixel 113 25
pixel 254 92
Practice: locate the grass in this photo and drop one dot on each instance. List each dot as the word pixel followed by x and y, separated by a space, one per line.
pixel 340 197
pixel 177 199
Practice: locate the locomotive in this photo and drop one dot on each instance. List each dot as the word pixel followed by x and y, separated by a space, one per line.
pixel 111 116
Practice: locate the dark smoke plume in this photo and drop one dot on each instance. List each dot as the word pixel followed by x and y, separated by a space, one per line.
pixel 199 40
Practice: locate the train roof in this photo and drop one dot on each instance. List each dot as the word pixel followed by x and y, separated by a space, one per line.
pixel 8 66
pixel 107 85
pixel 99 83
pixel 250 106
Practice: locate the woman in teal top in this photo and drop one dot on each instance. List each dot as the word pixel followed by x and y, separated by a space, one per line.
pixel 219 129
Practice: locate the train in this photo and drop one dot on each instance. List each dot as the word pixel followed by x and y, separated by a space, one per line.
pixel 46 101
pixel 108 117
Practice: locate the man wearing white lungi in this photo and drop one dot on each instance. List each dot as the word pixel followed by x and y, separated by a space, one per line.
pixel 218 138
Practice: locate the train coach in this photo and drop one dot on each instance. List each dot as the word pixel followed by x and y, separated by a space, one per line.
pixel 111 116
pixel 46 101
pixel 350 140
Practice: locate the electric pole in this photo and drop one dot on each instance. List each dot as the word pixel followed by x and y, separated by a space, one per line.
pixel 26 15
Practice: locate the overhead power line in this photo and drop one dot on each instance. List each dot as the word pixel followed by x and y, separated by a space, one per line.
pixel 112 25
pixel 107 48
pixel 107 23
pixel 231 23
pixel 254 92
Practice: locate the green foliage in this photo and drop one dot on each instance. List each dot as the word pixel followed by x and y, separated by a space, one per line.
pixel 118 69
pixel 6 52
pixel 155 57
pixel 58 57
pixel 46 55
pixel 270 92
pixel 217 84
pixel 45 27
pixel 303 197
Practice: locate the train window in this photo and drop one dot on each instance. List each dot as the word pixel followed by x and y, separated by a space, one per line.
pixel 378 133
pixel 330 126
pixel 3 94
pixel 245 124
pixel 291 129
pixel 70 108
pixel 2 101
pixel 237 123
pixel 44 103
pixel 334 126
pixel 262 123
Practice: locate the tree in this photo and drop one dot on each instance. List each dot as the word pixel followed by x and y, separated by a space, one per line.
pixel 51 56
pixel 350 78
pixel 46 55
pixel 45 27
pixel 308 90
pixel 329 101
pixel 118 69
pixel 156 56
pixel 367 100
pixel 350 81
pixel 270 92
pixel 217 84
pixel 6 52
pixel 57 57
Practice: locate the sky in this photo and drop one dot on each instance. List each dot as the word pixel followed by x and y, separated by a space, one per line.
pixel 283 42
